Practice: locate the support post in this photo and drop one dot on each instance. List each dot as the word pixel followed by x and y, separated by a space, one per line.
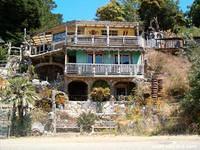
pixel 119 70
pixel 76 35
pixel 137 29
pixel 66 35
pixel 108 35
pixel 66 61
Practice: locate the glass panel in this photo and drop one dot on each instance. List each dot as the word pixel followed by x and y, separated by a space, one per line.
pixel 90 58
pixel 116 59
pixel 125 59
pixel 59 37
pixel 99 59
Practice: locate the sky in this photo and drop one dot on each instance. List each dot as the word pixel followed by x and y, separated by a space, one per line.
pixel 86 9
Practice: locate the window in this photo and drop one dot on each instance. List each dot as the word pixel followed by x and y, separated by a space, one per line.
pixel 59 37
pixel 111 32
pixel 103 32
pixel 124 59
pixel 125 33
pixel 99 58
pixel 80 31
pixel 90 58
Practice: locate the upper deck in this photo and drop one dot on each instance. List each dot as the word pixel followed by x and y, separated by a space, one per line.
pixel 88 34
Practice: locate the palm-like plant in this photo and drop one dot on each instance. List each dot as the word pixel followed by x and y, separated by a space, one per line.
pixel 20 93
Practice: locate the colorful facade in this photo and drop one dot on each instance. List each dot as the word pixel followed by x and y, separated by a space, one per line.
pixel 87 53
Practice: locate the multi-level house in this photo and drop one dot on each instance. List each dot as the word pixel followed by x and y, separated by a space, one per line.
pixel 90 53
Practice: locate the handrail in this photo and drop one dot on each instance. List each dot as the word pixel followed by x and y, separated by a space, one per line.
pixel 104 69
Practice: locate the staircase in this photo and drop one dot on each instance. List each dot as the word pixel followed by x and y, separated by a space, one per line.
pixel 156 87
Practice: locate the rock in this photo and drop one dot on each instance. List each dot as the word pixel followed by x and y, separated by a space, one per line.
pixel 36 82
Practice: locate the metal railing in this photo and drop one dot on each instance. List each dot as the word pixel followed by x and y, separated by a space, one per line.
pixel 104 69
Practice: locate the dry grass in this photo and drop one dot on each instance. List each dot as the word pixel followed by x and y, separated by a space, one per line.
pixel 174 71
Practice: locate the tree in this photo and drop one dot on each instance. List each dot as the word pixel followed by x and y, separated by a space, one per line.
pixel 194 13
pixel 21 94
pixel 29 14
pixel 191 104
pixel 130 8
pixel 113 11
pixel 166 12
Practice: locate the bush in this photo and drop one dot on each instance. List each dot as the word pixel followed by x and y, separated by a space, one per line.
pixel 86 120
pixel 100 94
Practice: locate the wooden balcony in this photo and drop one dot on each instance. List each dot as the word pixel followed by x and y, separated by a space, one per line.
pixel 165 43
pixel 84 69
pixel 107 41
pixel 89 41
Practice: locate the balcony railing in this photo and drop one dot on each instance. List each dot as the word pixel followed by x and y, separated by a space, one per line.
pixel 165 43
pixel 104 69
pixel 107 41
pixel 82 40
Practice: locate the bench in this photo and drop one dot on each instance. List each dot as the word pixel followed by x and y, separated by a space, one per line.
pixel 104 125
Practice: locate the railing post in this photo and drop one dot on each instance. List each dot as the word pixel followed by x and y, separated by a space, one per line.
pixel 76 35
pixel 92 39
pixel 106 70
pixel 123 40
pixel 108 35
pixel 79 70
pixel 94 69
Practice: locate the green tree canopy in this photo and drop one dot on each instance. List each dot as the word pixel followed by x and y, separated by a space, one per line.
pixel 113 11
pixel 194 13
pixel 130 8
pixel 30 14
pixel 166 11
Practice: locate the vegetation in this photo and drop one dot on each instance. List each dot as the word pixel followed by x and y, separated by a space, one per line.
pixel 191 103
pixel 21 94
pixel 113 11
pixel 165 12
pixel 33 15
pixel 194 13
pixel 100 94
pixel 86 120
pixel 3 53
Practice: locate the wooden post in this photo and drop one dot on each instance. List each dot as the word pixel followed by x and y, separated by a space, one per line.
pixel 66 35
pixel 119 70
pixel 137 29
pixel 108 35
pixel 9 48
pixel 66 61
pixel 76 35
pixel 54 110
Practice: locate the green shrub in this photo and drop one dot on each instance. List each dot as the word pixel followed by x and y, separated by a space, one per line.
pixel 86 120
